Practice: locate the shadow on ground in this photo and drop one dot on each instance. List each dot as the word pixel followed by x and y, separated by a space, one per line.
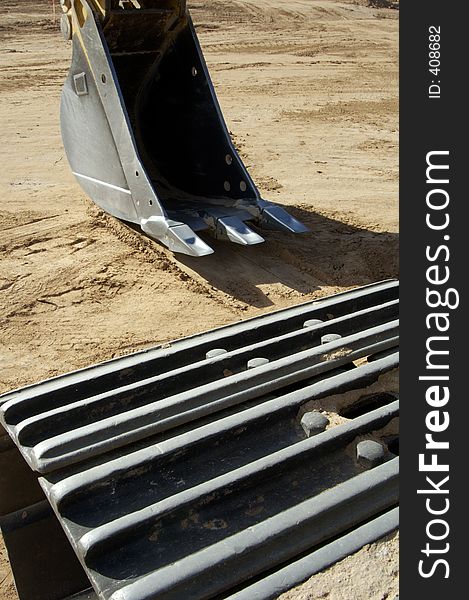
pixel 332 254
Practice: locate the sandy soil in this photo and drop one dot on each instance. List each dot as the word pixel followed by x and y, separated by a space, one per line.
pixel 309 92
pixel 370 574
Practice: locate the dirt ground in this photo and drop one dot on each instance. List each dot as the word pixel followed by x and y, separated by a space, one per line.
pixel 309 90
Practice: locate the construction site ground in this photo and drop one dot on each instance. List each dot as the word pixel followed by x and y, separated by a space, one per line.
pixel 309 90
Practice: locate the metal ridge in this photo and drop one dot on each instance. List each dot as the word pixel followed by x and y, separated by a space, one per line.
pixel 190 471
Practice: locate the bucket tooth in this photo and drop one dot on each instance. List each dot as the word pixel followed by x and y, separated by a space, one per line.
pixel 276 217
pixel 181 238
pixel 143 130
pixel 178 237
pixel 234 230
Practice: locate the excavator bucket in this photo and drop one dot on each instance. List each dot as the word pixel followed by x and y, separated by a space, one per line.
pixel 143 130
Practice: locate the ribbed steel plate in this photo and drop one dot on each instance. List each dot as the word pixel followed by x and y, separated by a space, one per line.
pixel 187 471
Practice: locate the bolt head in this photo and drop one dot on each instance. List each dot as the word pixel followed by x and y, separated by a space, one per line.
pixel 215 352
pixel 257 362
pixel 314 422
pixel 370 454
pixel 312 322
pixel 330 337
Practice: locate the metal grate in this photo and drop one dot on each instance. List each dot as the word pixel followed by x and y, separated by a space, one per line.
pixel 191 470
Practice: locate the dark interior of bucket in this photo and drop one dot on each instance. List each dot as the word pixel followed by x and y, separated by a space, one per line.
pixel 179 130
